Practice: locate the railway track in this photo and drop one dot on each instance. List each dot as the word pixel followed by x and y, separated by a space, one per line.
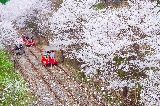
pixel 42 88
pixel 43 79
pixel 84 94
pixel 50 79
pixel 62 82
pixel 35 74
pixel 78 93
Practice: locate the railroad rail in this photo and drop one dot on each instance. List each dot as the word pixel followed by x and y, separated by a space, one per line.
pixel 43 79
pixel 80 86
pixel 54 78
pixel 46 83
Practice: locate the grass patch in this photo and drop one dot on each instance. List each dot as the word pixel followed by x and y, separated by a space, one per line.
pixel 132 74
pixel 98 6
pixel 118 60
pixel 13 90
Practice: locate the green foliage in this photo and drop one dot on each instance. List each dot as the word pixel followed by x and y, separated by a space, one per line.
pixel 81 76
pixel 158 2
pixel 108 98
pixel 96 85
pixel 33 26
pixel 133 73
pixel 118 60
pixel 139 87
pixel 4 1
pixel 121 73
pixel 111 99
pixel 12 87
pixel 98 6
pixel 61 1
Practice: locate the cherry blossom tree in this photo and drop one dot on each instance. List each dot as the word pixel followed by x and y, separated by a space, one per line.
pixel 117 42
pixel 16 13
pixel 113 41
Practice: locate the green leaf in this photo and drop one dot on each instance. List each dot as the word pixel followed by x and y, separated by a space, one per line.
pixel 4 1
pixel 158 2
pixel 139 86
pixel 98 6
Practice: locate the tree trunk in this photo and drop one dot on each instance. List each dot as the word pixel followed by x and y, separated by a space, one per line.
pixel 38 37
pixel 125 91
pixel 62 53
